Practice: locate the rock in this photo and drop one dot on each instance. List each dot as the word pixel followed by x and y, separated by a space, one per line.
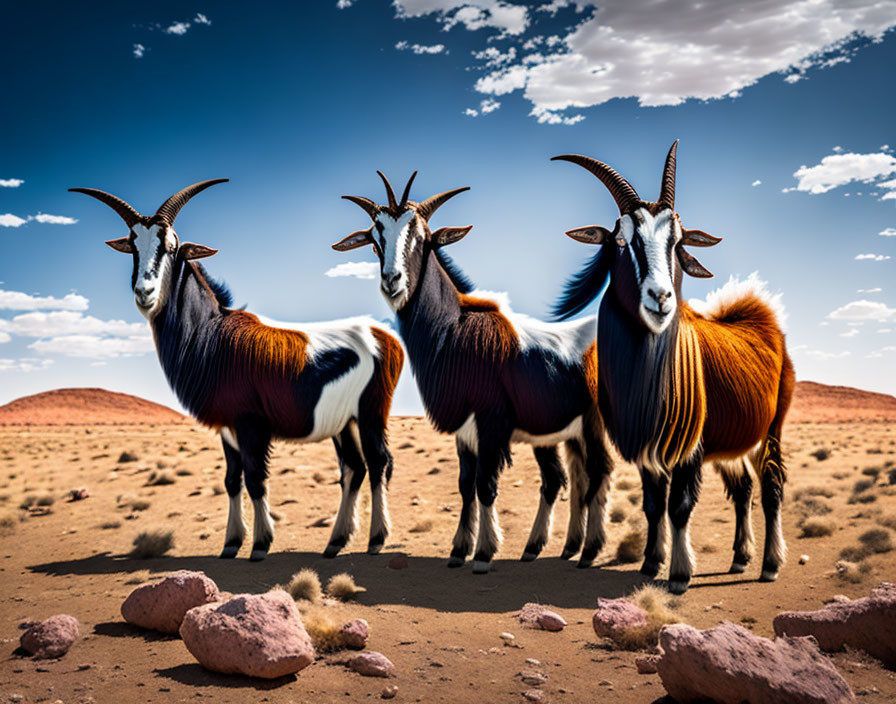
pixel 646 664
pixel 508 638
pixel 803 559
pixel 259 635
pixel 730 665
pixel 533 662
pixel 615 615
pixel 78 494
pixel 372 664
pixel 390 691
pixel 354 634
pixel 161 606
pixel 52 637
pixel 551 621
pixel 399 562
pixel 533 695
pixel 533 678
pixel 867 624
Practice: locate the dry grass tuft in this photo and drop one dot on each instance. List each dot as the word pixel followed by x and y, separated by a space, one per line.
pixel 37 500
pixel 318 478
pixel 887 522
pixel 817 527
pixel 162 477
pixel 821 454
pixel 814 507
pixel 862 485
pixel 659 605
pixel 152 543
pixel 873 472
pixel 110 525
pixel 423 526
pixel 877 540
pixel 305 584
pixel 138 577
pixel 852 572
pixel 617 514
pixel 631 547
pixel 323 630
pixel 809 491
pixel 342 586
pixel 8 523
pixel 127 457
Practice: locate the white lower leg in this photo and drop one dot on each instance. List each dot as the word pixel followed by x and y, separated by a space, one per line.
pixel 264 528
pixel 489 538
pixel 347 519
pixel 681 566
pixel 775 549
pixel 236 528
pixel 466 529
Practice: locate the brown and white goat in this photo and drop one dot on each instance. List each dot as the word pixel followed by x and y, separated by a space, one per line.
pixel 678 387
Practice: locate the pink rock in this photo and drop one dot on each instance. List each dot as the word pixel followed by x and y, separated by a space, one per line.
pixel 615 615
pixel 161 606
pixel 52 637
pixel 868 624
pixel 399 562
pixel 259 635
pixel 551 621
pixel 646 664
pixel 531 616
pixel 729 664
pixel 372 664
pixel 354 634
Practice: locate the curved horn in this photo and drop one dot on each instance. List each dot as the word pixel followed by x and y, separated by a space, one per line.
pixel 667 191
pixel 171 207
pixel 432 204
pixel 389 192
pixel 622 191
pixel 125 211
pixel 367 205
pixel 407 192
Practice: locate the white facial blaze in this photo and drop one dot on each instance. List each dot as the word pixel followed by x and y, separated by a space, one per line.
pixel 152 246
pixel 658 236
pixel 395 235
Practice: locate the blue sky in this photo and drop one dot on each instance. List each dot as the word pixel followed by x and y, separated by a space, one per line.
pixel 784 111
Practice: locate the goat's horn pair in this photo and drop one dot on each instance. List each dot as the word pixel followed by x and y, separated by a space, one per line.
pixel 622 191
pixel 427 207
pixel 391 194
pixel 168 210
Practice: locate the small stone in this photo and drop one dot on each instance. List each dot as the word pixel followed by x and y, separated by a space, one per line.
pixel 803 559
pixel 533 662
pixel 533 695
pixel 399 562
pixel 646 664
pixel 551 621
pixel 390 691
pixel 372 664
pixel 354 634
pixel 533 678
pixel 508 638
pixel 52 637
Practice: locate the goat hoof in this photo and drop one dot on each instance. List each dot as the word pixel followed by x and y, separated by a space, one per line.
pixel 583 563
pixel 568 554
pixel 768 575
pixel 374 548
pixel 678 586
pixel 332 551
pixel 229 552
pixel 528 556
pixel 455 561
pixel 651 570
pixel 737 567
pixel 481 566
pixel 258 554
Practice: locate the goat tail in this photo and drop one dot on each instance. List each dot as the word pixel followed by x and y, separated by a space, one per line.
pixel 583 287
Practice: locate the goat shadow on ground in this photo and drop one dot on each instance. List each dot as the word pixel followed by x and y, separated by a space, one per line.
pixel 425 583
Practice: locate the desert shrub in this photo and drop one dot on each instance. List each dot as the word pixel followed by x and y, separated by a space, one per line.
pixel 862 485
pixel 37 500
pixel 821 454
pixel 659 605
pixel 631 547
pixel 852 572
pixel 810 491
pixel 183 472
pixel 422 527
pixel 152 543
pixel 110 525
pixel 878 540
pixel 305 584
pixel 127 457
pixel 855 553
pixel 817 527
pixel 138 577
pixel 815 507
pixel 162 477
pixel 323 630
pixel 891 476
pixel 617 514
pixel 342 586
pixel 8 523
pixel 139 505
pixel 873 472
pixel 887 521
pixel 318 478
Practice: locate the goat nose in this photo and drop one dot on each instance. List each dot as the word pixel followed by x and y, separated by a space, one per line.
pixel 660 297
pixel 391 279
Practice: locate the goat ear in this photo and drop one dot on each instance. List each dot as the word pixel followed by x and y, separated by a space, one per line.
pixel 691 266
pixel 590 234
pixel 188 250
pixel 122 244
pixel 354 240
pixel 698 238
pixel 449 235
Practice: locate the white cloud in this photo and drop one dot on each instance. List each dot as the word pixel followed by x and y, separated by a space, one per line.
pixel 344 4
pixel 755 183
pixel 874 354
pixel 488 105
pixel 139 50
pixel 885 330
pixel 67 322
pixel 818 354
pixel 93 346
pixel 869 290
pixel 508 18
pixel 11 182
pixel 16 300
pixel 873 257
pixel 360 270
pixel 888 232
pixel 54 219
pixel 420 48
pixel 4 338
pixel 554 118
pixel 10 220
pixel 852 332
pixel 840 169
pixel 470 112
pixel 178 28
pixel 201 19
pixel 25 364
pixel 493 57
pixel 862 310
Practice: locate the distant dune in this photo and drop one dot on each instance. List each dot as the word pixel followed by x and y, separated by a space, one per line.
pixel 86 407
pixel 819 403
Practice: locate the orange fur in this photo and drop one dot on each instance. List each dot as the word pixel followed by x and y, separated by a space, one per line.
pixel 387 372
pixel 495 334
pixel 590 364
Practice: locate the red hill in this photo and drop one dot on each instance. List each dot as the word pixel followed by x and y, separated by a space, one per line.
pixel 820 403
pixel 86 407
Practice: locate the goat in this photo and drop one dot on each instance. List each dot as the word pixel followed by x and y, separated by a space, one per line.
pixel 254 381
pixel 678 387
pixel 491 377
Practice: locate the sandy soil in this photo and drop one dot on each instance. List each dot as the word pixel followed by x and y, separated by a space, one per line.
pixel 440 627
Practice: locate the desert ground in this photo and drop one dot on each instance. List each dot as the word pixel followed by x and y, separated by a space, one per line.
pixel 440 627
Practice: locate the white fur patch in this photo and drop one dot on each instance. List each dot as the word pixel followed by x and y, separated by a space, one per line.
pixel 734 290
pixel 467 435
pixel 228 435
pixel 147 247
pixel 236 529
pixel 395 236
pixel 573 431
pixel 655 233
